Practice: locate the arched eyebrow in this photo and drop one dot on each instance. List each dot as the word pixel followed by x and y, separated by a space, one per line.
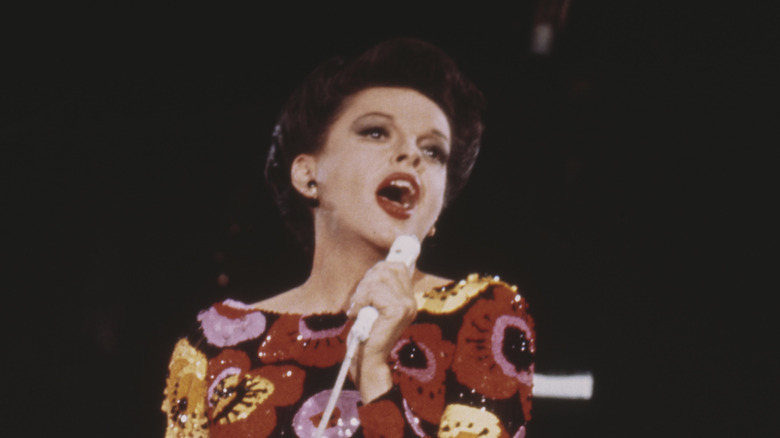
pixel 358 120
pixel 362 117
pixel 438 133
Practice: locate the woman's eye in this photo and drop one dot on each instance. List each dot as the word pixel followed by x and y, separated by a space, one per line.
pixel 437 153
pixel 375 133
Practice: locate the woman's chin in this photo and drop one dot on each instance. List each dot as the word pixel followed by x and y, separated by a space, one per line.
pixel 386 238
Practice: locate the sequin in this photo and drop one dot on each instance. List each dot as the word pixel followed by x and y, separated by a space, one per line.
pixel 512 348
pixel 496 347
pixel 421 358
pixel 413 421
pixel 343 422
pixel 465 421
pixel 231 322
pixel 185 393
pixel 243 401
pixel 304 340
pixel 451 298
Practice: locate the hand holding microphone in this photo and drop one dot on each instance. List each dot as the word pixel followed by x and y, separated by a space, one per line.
pixel 405 249
pixel 385 289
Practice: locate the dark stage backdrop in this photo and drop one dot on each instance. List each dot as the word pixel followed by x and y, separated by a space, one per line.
pixel 137 140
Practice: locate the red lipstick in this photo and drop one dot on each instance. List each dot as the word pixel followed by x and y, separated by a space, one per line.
pixel 398 194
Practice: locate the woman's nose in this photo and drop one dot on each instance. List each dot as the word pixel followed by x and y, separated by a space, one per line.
pixel 408 151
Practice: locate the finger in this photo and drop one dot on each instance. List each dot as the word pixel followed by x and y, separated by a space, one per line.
pixel 380 287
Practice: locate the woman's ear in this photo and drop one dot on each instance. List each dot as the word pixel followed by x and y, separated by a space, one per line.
pixel 302 172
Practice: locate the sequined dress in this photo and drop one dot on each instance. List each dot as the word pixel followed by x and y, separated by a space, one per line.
pixel 464 366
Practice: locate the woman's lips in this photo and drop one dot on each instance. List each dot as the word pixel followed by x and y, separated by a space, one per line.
pixel 398 195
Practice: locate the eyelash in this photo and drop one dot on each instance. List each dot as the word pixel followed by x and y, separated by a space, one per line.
pixel 370 132
pixel 437 153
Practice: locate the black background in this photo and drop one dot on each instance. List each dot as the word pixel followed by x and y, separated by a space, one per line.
pixel 611 188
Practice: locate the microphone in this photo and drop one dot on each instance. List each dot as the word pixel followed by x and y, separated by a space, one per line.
pixel 405 249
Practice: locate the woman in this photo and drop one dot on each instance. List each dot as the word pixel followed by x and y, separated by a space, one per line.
pixel 364 152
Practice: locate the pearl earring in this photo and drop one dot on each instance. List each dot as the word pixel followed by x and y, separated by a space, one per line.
pixel 313 197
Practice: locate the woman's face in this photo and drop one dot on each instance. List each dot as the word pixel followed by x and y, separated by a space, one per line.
pixel 382 171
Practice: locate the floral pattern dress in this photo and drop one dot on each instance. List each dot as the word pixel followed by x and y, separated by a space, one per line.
pixel 464 367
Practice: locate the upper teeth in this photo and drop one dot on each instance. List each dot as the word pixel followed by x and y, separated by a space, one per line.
pixel 402 183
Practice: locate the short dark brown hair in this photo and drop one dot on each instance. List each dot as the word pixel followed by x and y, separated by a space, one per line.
pixel 308 114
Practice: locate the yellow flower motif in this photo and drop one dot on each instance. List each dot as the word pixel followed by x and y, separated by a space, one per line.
pixel 185 393
pixel 449 299
pixel 460 421
pixel 235 397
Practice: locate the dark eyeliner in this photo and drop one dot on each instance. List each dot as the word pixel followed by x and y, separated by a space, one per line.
pixel 367 132
pixel 439 154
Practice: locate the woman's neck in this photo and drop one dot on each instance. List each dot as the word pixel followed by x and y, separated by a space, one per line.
pixel 337 268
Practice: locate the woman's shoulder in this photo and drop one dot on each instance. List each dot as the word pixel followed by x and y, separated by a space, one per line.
pixel 230 322
pixel 451 296
pixel 474 335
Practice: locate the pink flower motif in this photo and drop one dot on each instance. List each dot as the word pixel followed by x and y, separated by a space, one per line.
pixel 343 422
pixel 220 377
pixel 309 334
pixel 413 420
pixel 497 344
pixel 313 340
pixel 231 322
pixel 421 374
pixel 419 364
pixel 496 347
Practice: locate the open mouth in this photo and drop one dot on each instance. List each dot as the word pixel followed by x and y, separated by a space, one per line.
pixel 398 195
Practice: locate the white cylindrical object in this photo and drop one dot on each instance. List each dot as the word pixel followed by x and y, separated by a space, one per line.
pixel 364 322
pixel 576 386
pixel 405 249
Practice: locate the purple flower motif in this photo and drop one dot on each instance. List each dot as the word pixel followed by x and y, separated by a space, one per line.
pixel 227 372
pixel 421 374
pixel 497 338
pixel 307 333
pixel 413 421
pixel 343 423
pixel 231 322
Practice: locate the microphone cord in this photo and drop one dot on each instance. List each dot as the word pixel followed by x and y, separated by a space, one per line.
pixel 357 335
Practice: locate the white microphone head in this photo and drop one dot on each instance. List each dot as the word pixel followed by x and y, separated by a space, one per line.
pixel 405 249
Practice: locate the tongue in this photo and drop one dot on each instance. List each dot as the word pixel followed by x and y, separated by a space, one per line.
pixel 396 195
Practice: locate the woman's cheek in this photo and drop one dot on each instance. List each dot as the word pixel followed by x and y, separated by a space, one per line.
pixel 438 188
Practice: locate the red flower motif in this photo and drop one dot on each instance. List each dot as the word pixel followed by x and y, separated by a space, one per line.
pixel 243 401
pixel 420 360
pixel 496 346
pixel 315 340
pixel 381 419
